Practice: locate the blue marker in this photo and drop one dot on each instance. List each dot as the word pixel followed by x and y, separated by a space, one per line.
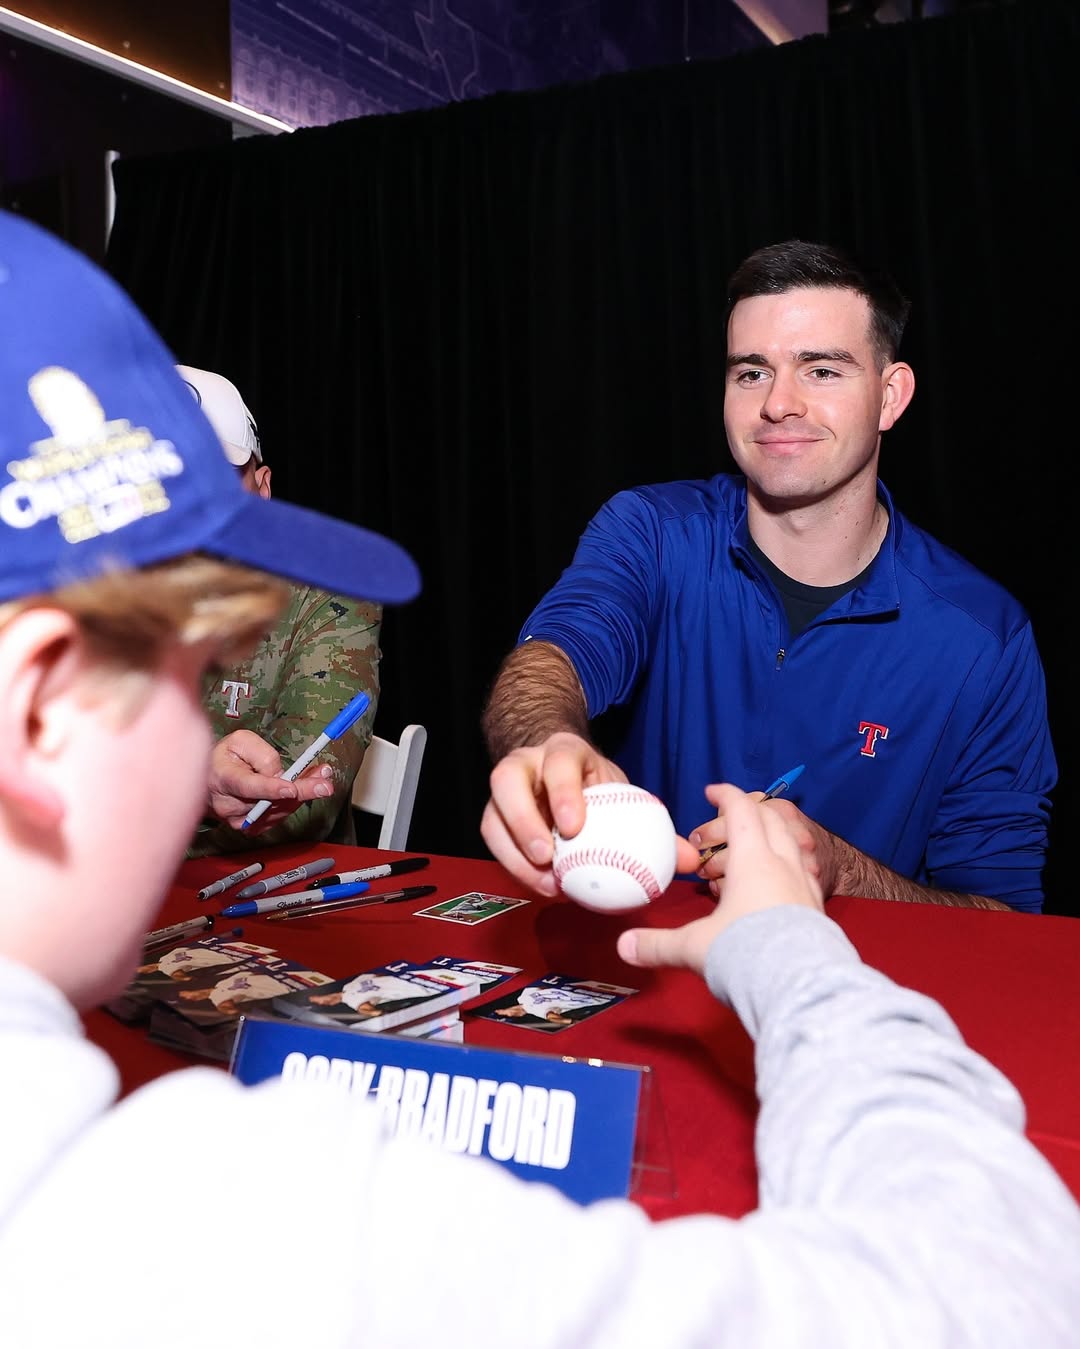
pixel 777 788
pixel 352 711
pixel 251 907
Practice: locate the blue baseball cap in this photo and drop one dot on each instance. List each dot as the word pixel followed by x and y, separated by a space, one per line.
pixel 107 462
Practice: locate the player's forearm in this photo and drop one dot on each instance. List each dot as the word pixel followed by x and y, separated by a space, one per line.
pixel 858 874
pixel 536 694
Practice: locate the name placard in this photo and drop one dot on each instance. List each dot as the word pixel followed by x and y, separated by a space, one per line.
pixel 569 1122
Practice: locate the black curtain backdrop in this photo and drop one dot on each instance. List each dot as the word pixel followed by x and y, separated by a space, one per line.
pixel 467 327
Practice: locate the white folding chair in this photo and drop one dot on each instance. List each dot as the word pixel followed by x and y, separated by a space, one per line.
pixel 386 784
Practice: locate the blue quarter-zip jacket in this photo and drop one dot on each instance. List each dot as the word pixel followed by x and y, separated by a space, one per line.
pixel 917 701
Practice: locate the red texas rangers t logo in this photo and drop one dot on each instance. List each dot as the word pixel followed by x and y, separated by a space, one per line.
pixel 872 732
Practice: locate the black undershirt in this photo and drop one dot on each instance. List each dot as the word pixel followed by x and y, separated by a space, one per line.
pixel 802 603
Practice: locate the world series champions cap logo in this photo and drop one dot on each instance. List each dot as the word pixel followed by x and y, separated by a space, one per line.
pixel 92 475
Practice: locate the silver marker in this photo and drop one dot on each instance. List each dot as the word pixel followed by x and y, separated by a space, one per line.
pixel 283 878
pixel 192 927
pixel 234 878
pixel 182 932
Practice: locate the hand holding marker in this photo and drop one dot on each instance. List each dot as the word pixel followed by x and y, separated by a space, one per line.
pixel 351 712
pixel 777 788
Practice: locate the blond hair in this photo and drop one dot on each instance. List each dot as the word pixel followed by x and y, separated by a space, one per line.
pixel 129 618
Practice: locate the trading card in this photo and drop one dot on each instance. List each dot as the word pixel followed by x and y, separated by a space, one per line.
pixel 554 1002
pixel 475 907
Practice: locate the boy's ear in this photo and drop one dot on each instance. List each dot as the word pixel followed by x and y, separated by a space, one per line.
pixel 39 651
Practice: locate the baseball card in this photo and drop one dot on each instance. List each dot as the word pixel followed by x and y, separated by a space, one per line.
pixel 473 908
pixel 188 963
pixel 483 974
pixel 554 1002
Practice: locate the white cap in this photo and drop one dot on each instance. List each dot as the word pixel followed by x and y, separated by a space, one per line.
pixel 226 412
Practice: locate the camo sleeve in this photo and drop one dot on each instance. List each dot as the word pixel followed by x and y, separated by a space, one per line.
pixel 322 651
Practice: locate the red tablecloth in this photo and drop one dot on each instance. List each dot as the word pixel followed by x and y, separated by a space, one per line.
pixel 1010 981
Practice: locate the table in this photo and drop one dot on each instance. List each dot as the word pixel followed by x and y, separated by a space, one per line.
pixel 1010 981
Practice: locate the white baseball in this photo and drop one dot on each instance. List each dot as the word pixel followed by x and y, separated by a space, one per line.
pixel 623 856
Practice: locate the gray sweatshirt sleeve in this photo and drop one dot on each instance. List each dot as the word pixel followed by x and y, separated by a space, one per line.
pixel 900 1147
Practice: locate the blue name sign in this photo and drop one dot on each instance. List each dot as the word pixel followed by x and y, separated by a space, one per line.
pixel 569 1122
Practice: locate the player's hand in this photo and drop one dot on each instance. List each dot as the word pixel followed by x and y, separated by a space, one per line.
pixel 245 769
pixel 532 790
pixel 765 867
pixel 811 838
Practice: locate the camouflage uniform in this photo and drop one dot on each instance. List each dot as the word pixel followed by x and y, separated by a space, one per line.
pixel 322 651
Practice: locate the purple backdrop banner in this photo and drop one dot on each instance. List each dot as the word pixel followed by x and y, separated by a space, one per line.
pixel 322 61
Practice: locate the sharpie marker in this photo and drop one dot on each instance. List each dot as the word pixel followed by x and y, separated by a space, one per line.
pixel 777 788
pixel 283 878
pixel 373 873
pixel 251 907
pixel 158 945
pixel 193 927
pixel 234 878
pixel 352 711
pixel 345 905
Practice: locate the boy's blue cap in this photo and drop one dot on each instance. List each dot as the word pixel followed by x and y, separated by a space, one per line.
pixel 106 460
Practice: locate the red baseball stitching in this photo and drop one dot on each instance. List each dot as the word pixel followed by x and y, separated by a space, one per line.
pixel 604 857
pixel 619 795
